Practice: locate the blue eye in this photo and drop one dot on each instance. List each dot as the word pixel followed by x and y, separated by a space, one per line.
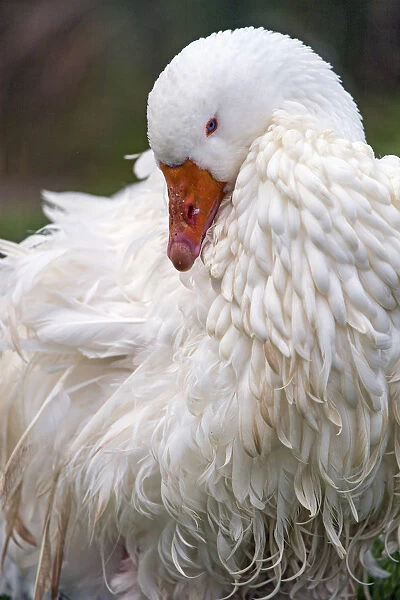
pixel 211 126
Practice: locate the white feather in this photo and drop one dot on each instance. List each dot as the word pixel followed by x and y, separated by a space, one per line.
pixel 232 431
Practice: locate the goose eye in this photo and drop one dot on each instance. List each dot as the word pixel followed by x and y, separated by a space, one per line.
pixel 211 126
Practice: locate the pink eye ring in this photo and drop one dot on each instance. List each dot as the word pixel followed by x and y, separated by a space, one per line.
pixel 211 126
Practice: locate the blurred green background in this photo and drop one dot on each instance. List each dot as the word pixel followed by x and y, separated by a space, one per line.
pixel 75 74
pixel 74 79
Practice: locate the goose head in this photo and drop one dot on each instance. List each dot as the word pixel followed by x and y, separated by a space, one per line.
pixel 213 100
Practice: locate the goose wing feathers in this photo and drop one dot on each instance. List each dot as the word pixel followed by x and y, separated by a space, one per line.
pixel 165 408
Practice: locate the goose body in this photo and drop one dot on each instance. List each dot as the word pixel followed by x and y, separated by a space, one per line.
pixel 228 427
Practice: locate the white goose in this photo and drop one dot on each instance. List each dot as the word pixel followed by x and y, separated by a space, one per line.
pixel 232 431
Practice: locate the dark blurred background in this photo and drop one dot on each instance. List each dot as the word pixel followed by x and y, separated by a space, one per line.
pixel 75 74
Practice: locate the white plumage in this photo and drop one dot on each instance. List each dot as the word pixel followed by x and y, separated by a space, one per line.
pixel 232 430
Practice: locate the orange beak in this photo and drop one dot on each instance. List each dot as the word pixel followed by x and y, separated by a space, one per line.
pixel 194 198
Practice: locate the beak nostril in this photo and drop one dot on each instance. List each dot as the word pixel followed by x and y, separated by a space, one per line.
pixel 190 214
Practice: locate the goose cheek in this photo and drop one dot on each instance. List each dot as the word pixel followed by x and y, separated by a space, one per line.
pixel 194 199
